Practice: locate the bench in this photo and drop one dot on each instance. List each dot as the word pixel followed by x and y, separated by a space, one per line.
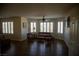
pixel 40 35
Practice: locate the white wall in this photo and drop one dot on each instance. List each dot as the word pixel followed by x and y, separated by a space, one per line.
pixel 74 41
pixel 66 33
pixel 71 33
pixel 24 28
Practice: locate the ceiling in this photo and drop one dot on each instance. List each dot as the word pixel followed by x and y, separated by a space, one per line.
pixel 35 9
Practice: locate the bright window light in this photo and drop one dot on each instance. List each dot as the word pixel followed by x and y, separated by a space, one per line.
pixel 3 27
pixel 60 27
pixel 41 27
pixel 7 27
pixel 51 26
pixel 33 26
pixel 11 26
pixel 46 27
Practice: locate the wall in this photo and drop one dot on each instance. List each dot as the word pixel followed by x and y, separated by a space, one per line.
pixel 74 41
pixel 24 28
pixel 71 33
pixel 17 27
pixel 66 33
pixel 0 27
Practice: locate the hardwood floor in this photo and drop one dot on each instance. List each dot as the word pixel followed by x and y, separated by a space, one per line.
pixel 36 48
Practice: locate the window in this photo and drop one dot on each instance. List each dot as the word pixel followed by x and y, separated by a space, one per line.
pixel 60 27
pixel 48 30
pixel 11 23
pixel 41 27
pixel 51 26
pixel 46 27
pixel 7 27
pixel 33 26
